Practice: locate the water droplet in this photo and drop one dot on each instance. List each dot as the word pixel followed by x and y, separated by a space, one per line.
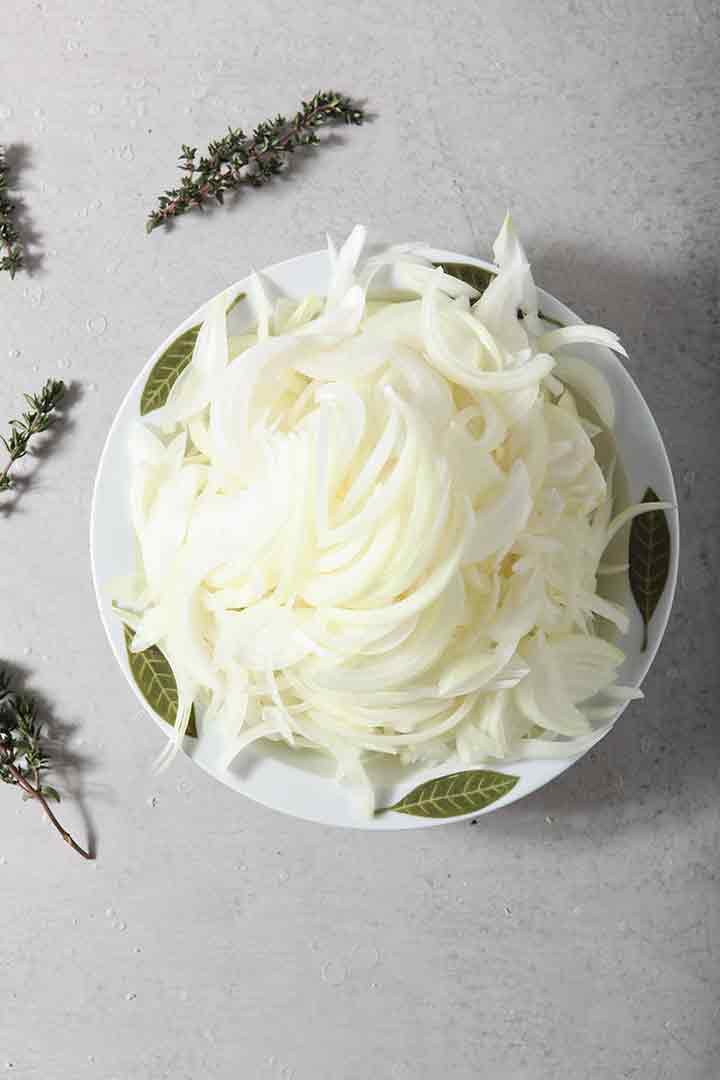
pixel 64 362
pixel 153 800
pixel 14 354
pixel 35 294
pixel 121 926
pixel 97 325
pixel 333 972
pixel 92 386
pixel 130 996
pixel 5 112
pixel 220 65
pixel 76 922
pixel 126 152
pixel 72 45
pixel 95 109
pixel 283 876
pixel 183 787
pixel 27 651
pixel 3 860
pixel 44 658
pixel 109 912
pixel 137 949
pixel 508 911
pixel 36 367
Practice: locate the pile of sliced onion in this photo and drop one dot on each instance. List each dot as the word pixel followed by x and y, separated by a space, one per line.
pixel 374 527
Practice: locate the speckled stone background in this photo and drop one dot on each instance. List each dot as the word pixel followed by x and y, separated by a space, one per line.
pixel 574 936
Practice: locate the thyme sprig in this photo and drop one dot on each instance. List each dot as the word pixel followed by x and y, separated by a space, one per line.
pixel 11 249
pixel 36 420
pixel 238 160
pixel 23 756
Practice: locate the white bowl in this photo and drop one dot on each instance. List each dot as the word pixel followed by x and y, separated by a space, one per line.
pixel 295 783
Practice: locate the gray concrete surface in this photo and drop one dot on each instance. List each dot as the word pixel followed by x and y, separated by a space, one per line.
pixel 574 936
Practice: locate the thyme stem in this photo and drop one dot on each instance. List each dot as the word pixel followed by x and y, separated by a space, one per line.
pixel 36 793
pixel 237 160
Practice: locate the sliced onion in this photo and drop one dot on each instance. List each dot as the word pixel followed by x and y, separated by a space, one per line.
pixel 375 526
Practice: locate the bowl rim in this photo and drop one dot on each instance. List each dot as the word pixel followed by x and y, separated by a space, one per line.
pixel 397 822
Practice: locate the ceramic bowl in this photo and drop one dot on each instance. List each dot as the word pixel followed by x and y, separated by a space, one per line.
pixel 301 784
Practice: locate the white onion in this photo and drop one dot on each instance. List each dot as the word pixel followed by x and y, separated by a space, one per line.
pixel 376 526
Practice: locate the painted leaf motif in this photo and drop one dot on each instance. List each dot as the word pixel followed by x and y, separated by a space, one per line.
pixel 455 794
pixel 480 279
pixel 649 560
pixel 167 369
pixel 156 682
pixel 475 276
pixel 234 303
